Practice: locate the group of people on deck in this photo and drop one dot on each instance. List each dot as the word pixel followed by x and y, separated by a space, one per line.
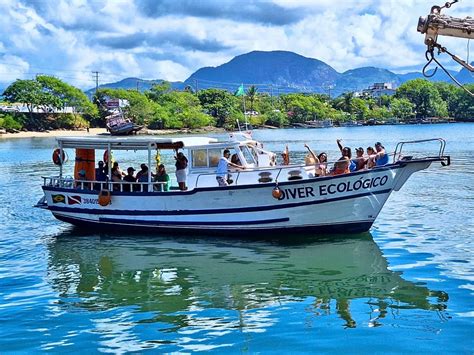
pixel 371 157
pixel 346 163
pixel 133 180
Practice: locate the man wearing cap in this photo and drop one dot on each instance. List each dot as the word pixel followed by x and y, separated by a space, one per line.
pixel 359 160
pixel 381 158
pixel 129 178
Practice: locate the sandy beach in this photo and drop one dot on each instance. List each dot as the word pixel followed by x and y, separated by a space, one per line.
pixel 102 132
pixel 55 133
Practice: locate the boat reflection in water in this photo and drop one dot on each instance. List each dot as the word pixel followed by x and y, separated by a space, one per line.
pixel 189 283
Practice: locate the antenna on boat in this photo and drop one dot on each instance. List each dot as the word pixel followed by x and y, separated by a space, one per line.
pixel 435 25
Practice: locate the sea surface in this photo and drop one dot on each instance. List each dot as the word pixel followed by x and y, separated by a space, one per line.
pixel 405 287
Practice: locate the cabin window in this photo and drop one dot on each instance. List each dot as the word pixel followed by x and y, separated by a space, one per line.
pixel 200 158
pixel 247 155
pixel 214 156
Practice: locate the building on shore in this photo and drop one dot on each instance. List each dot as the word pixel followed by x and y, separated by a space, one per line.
pixel 379 89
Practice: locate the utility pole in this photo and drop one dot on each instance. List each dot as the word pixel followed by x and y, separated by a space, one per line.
pixel 271 94
pixel 96 74
pixel 196 86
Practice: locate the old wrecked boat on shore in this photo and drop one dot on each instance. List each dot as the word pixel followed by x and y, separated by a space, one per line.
pixel 262 197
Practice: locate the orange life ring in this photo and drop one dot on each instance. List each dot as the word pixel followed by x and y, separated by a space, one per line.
pixel 59 157
pixel 105 197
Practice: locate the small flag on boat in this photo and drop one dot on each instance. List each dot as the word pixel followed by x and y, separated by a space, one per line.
pixel 74 200
pixel 240 91
pixel 58 198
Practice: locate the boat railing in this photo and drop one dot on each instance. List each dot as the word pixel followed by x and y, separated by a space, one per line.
pixel 399 154
pixel 69 182
pixel 260 175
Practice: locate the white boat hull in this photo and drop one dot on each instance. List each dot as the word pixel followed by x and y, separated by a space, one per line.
pixel 346 203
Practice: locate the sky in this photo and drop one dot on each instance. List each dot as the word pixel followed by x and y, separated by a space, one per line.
pixel 171 39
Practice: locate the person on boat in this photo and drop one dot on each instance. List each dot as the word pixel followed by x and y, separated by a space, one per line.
pixel 80 180
pixel 381 157
pixel 346 153
pixel 370 160
pixel 320 161
pixel 117 175
pixel 285 155
pixel 142 175
pixel 100 175
pixel 163 178
pixel 360 161
pixel 223 168
pixel 235 159
pixel 181 170
pixel 342 166
pixel 130 178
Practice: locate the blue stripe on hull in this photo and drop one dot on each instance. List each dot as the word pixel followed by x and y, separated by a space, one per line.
pixel 343 228
pixel 209 211
pixel 203 223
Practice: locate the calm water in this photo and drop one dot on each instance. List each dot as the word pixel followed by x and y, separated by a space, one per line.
pixel 407 286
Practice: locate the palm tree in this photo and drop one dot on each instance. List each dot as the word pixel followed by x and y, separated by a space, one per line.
pixel 252 95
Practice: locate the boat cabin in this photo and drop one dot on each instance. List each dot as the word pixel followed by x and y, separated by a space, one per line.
pixel 203 154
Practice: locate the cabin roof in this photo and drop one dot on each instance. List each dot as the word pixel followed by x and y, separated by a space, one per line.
pixel 133 143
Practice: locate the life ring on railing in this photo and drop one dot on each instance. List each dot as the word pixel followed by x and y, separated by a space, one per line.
pixel 59 156
pixel 105 197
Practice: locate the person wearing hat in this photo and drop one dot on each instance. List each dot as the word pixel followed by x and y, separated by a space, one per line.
pixel 129 178
pixel 359 160
pixel 381 158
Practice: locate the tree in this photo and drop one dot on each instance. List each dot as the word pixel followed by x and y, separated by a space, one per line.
pixel 157 91
pixel 180 110
pixel 424 95
pixel 220 104
pixel 252 96
pixel 464 104
pixel 450 94
pixel 28 92
pixel 402 108
pixel 64 95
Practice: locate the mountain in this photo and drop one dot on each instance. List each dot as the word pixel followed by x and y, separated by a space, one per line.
pixel 465 76
pixel 282 72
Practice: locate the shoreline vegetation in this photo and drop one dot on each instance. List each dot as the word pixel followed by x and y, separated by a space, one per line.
pixel 91 132
pixel 47 104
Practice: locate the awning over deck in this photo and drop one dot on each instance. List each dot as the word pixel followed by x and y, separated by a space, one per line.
pixel 132 143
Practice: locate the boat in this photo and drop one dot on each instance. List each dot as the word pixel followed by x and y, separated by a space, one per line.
pixel 349 124
pixel 117 124
pixel 320 124
pixel 264 197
